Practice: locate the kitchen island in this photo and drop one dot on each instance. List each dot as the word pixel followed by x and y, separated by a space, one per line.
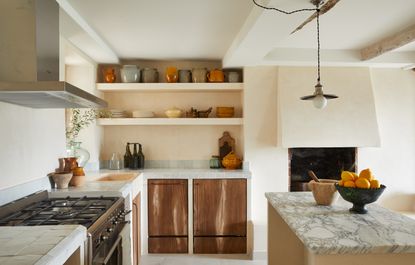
pixel 302 233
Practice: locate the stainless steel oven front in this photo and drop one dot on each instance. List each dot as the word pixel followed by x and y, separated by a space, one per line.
pixel 104 242
pixel 109 254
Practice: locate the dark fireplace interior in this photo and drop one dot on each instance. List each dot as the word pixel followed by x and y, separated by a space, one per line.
pixel 327 163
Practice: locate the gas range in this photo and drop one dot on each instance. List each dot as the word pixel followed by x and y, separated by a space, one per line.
pixel 104 218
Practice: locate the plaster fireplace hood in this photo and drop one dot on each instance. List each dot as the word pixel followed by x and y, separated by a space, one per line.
pixel 349 121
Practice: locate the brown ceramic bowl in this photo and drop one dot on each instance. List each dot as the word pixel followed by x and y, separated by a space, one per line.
pixel 225 112
pixel 324 192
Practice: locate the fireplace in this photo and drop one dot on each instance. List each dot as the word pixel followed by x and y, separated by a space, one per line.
pixel 327 163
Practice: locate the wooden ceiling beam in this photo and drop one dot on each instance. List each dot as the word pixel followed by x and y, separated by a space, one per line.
pixel 388 44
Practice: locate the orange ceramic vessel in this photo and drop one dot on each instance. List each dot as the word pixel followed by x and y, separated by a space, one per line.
pixel 231 161
pixel 109 75
pixel 216 75
pixel 172 75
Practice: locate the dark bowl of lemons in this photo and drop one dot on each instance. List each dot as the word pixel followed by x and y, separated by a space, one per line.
pixel 359 189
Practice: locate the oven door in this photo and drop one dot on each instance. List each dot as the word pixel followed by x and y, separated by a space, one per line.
pixel 111 257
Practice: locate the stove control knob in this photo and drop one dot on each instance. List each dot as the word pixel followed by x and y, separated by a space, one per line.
pixel 115 222
pixel 110 229
pixel 103 238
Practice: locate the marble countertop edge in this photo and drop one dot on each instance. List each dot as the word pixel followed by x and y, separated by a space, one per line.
pixel 398 236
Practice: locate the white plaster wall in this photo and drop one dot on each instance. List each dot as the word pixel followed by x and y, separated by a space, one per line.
pixel 268 163
pixel 84 77
pixel 393 162
pixel 31 141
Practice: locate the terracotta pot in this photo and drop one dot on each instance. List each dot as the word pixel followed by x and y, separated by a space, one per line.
pixel 62 179
pixel 77 181
pixel 70 164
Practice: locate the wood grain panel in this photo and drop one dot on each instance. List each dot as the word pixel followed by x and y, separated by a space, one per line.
pixel 219 245
pixel 167 207
pixel 219 207
pixel 136 230
pixel 168 245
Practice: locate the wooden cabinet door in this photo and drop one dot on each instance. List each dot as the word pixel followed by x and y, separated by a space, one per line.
pixel 219 207
pixel 167 207
pixel 136 230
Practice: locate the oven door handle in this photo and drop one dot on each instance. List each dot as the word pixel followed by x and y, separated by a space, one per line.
pixel 113 248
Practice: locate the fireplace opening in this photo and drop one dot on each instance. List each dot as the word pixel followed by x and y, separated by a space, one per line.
pixel 327 163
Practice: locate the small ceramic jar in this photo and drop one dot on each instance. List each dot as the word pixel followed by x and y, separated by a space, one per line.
pixel 214 162
pixel 130 74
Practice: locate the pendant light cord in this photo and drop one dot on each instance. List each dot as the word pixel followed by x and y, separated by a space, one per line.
pixel 318 43
pixel 316 9
pixel 283 11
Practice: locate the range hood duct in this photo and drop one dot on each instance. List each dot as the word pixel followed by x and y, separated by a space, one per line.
pixel 29 75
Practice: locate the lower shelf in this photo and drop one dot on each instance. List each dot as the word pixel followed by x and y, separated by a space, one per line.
pixel 170 121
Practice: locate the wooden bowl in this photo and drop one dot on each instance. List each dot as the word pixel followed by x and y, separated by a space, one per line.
pixel 324 192
pixel 225 112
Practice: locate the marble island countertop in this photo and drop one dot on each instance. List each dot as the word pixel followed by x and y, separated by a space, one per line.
pixel 43 245
pixel 333 230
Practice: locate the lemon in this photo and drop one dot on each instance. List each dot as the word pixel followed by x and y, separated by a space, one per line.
pixel 355 176
pixel 362 183
pixel 367 174
pixel 341 183
pixel 346 176
pixel 374 184
pixel 349 184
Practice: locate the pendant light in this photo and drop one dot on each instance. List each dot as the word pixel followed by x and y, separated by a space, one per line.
pixel 319 98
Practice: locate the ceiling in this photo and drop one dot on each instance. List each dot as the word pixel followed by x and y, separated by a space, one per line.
pixel 236 31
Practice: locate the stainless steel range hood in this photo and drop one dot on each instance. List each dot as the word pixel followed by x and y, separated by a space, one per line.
pixel 29 68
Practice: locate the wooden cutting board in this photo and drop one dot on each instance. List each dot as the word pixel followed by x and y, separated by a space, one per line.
pixel 226 145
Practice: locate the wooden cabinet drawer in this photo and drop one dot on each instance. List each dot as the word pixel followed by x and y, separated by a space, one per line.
pixel 167 207
pixel 219 245
pixel 168 245
pixel 219 207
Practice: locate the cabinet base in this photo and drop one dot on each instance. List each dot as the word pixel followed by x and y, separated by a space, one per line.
pixel 219 245
pixel 168 245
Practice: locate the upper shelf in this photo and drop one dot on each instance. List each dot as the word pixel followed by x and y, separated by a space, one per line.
pixel 170 87
pixel 170 121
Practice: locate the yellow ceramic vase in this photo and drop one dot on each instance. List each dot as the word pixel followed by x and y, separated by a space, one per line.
pixel 231 161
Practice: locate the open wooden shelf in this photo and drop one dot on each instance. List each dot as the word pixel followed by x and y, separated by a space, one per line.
pixel 170 87
pixel 169 121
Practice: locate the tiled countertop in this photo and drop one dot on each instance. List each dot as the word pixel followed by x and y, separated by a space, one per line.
pixel 43 245
pixel 333 230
